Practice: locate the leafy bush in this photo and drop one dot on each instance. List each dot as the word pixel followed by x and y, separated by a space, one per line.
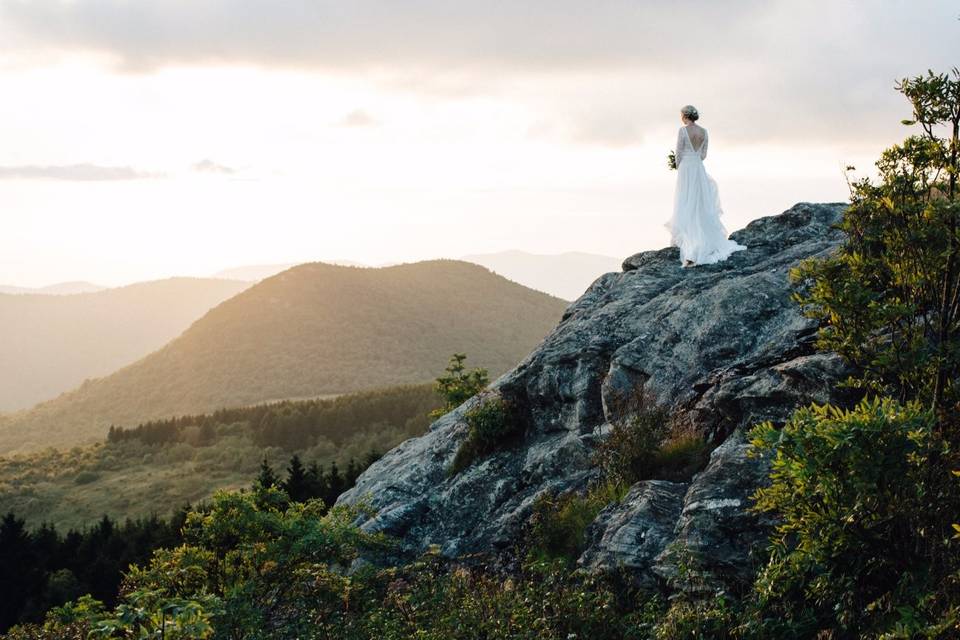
pixel 493 422
pixel 627 454
pixel 86 477
pixel 642 448
pixel 887 300
pixel 865 513
pixel 557 527
pixel 430 600
pixel 458 385
pixel 679 458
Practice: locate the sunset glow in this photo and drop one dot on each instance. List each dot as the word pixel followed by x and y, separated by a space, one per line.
pixel 150 155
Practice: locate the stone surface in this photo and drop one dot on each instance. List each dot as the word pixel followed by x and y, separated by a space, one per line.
pixel 633 533
pixel 722 346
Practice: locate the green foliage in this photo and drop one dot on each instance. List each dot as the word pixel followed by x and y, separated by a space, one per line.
pixel 427 600
pixel 40 570
pixel 642 448
pixel 267 476
pixel 889 299
pixel 151 614
pixel 627 454
pixel 295 424
pixel 157 467
pixel 865 513
pixel 679 458
pixel 459 384
pixel 716 618
pixel 865 498
pixel 557 527
pixel 313 331
pixel 493 422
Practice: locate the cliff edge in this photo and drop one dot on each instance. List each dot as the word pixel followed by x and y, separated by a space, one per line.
pixel 722 346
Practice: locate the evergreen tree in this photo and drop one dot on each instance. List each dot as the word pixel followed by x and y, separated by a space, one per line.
pixel 16 569
pixel 352 472
pixel 459 384
pixel 334 484
pixel 297 484
pixel 266 478
pixel 315 481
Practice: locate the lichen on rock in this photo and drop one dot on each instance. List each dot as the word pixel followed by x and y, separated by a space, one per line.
pixel 722 346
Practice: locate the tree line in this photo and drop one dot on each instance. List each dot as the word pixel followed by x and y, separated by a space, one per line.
pixel 44 568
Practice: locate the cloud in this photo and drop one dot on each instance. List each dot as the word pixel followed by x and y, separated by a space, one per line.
pixel 765 70
pixel 551 34
pixel 358 118
pixel 74 172
pixel 209 166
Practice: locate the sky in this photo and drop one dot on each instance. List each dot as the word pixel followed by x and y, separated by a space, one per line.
pixel 145 139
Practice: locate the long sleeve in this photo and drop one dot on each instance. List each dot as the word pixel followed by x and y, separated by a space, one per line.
pixel 676 153
pixel 703 147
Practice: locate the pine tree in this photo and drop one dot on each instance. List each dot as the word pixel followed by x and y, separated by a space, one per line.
pixel 352 473
pixel 297 484
pixel 334 484
pixel 266 477
pixel 459 384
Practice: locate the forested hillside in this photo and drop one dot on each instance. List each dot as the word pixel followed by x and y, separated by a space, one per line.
pixel 156 467
pixel 314 330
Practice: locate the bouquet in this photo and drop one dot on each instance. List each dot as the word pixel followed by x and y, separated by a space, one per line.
pixel 672 161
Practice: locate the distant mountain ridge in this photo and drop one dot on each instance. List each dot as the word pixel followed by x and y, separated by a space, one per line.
pixel 312 330
pixel 51 343
pixel 257 272
pixel 565 275
pixel 58 289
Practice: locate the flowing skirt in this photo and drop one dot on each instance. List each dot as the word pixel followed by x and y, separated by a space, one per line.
pixel 695 226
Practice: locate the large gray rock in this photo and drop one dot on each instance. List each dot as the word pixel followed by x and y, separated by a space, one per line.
pixel 723 346
pixel 634 533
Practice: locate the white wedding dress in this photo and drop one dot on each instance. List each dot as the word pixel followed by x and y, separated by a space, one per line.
pixel 695 226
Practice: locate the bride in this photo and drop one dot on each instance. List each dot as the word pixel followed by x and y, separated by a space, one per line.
pixel 695 226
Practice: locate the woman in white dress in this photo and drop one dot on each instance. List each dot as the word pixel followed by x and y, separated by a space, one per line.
pixel 695 226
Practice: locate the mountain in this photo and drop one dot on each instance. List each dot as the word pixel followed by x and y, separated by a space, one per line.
pixel 51 343
pixel 257 272
pixel 565 275
pixel 718 347
pixel 312 330
pixel 59 289
pixel 252 273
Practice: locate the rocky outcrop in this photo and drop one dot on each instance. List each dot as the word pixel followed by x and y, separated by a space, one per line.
pixel 723 346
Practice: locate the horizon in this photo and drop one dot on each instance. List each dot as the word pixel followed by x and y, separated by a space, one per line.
pixel 138 150
pixel 282 266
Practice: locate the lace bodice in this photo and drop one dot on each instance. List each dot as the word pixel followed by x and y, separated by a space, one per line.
pixel 692 140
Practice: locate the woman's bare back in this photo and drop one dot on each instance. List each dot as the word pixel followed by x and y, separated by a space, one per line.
pixel 696 133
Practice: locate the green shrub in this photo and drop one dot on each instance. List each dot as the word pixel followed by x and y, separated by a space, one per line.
pixel 642 448
pixel 866 512
pixel 678 459
pixel 557 527
pixel 627 454
pixel 86 477
pixel 493 422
